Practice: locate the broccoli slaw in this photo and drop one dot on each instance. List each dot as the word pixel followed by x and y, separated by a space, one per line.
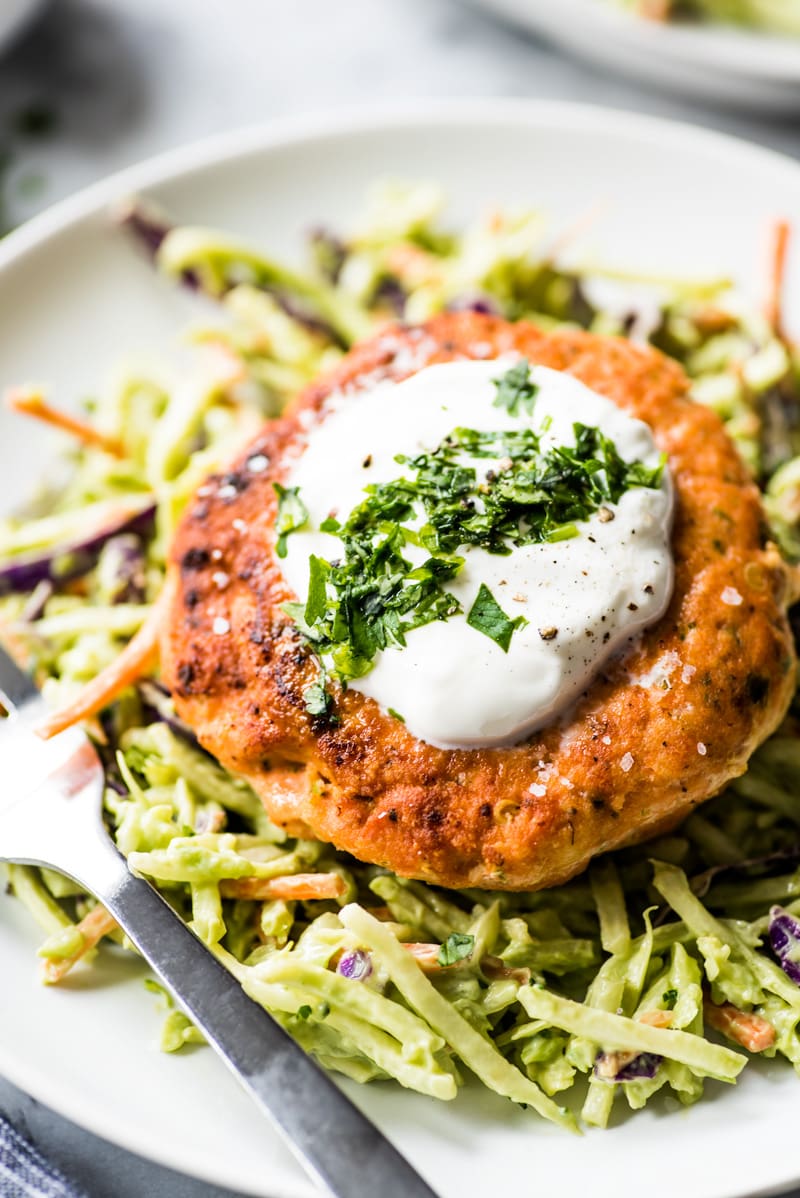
pixel 600 989
pixel 767 16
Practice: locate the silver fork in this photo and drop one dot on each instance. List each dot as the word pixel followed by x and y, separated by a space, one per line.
pixel 51 814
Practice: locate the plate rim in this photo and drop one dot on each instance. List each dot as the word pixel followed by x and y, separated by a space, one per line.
pixel 219 148
pixel 263 137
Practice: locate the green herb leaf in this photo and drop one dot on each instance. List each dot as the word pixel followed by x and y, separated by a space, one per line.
pixel 487 616
pixel 457 947
pixel 516 389
pixel 303 1012
pixel 396 715
pixel 316 699
pixel 317 590
pixel 292 514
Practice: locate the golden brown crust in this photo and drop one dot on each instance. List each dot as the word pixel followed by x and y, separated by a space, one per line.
pixel 656 733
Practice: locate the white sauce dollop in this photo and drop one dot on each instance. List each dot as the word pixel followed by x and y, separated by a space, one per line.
pixel 452 684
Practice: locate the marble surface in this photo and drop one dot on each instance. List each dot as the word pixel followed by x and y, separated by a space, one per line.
pixel 124 79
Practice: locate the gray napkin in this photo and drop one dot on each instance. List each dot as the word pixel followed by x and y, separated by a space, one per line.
pixel 24 1173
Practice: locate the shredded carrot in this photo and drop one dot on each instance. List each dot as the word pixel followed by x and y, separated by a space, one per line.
pixel 134 660
pixel 712 320
pixel 29 402
pixel 575 230
pixel 780 247
pixel 292 886
pixel 409 261
pixel 93 927
pixel 744 1027
pixel 655 1018
pixel 494 968
pixel 381 913
pixel 655 10
pixel 426 956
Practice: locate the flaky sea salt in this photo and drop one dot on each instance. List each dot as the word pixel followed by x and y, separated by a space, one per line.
pixel 537 789
pixel 626 763
pixel 658 676
pixel 701 749
pixel 731 596
pixel 220 626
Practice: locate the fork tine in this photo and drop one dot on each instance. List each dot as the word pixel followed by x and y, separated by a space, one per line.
pixel 16 687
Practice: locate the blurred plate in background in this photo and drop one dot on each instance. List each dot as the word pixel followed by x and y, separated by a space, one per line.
pixel 15 15
pixel 731 66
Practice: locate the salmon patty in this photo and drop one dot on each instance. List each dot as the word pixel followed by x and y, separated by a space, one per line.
pixel 660 729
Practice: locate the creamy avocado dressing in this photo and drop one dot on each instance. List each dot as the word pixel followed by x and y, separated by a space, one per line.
pixel 581 599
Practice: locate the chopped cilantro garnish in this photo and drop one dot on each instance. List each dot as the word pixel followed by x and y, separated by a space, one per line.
pixel 487 616
pixel 303 1012
pixel 669 996
pixel 372 595
pixel 316 699
pixel 457 947
pixel 317 593
pixel 516 389
pixel 396 715
pixel 292 515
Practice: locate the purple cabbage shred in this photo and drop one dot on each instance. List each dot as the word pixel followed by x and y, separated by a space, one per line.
pixel 356 965
pixel 784 936
pixel 330 252
pixel 481 304
pixel 63 562
pixel 314 324
pixel 37 601
pixel 749 866
pixel 390 293
pixel 123 560
pixel 149 228
pixel 622 1067
pixel 158 703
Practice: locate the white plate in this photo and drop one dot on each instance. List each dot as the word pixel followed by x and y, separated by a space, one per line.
pixel 75 297
pixel 733 66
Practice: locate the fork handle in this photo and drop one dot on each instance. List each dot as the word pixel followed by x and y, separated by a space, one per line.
pixel 338 1146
